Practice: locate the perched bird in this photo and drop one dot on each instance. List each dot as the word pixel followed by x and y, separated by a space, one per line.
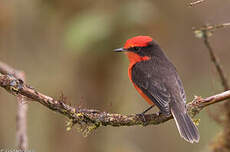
pixel 158 82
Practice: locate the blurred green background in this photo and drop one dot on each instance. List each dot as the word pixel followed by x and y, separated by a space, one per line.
pixel 66 46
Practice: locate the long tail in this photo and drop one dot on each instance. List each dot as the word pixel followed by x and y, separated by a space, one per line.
pixel 186 127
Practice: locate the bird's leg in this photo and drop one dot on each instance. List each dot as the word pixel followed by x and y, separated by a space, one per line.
pixel 146 110
pixel 143 114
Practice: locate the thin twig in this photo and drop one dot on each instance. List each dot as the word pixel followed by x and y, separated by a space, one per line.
pixel 21 118
pixel 195 3
pixel 95 118
pixel 205 32
pixel 222 144
pixel 211 28
pixel 216 63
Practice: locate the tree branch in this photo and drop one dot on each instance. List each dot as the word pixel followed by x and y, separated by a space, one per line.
pixel 222 143
pixel 91 119
pixel 21 118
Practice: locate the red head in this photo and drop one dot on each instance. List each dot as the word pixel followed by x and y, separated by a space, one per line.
pixel 140 45
pixel 138 41
pixel 140 48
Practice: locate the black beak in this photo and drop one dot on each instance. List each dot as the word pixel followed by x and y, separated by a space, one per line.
pixel 120 50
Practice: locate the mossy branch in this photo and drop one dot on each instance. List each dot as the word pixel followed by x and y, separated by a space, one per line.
pixel 91 118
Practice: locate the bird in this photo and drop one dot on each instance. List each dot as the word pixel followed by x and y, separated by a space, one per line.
pixel 156 79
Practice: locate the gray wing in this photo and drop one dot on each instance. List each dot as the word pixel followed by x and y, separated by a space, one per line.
pixel 152 85
pixel 181 88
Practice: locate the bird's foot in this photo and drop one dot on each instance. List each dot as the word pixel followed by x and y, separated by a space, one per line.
pixel 165 113
pixel 143 119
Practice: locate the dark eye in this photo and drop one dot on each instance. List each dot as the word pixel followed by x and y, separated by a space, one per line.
pixel 135 48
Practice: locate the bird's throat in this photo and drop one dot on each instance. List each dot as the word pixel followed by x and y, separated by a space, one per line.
pixel 135 58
